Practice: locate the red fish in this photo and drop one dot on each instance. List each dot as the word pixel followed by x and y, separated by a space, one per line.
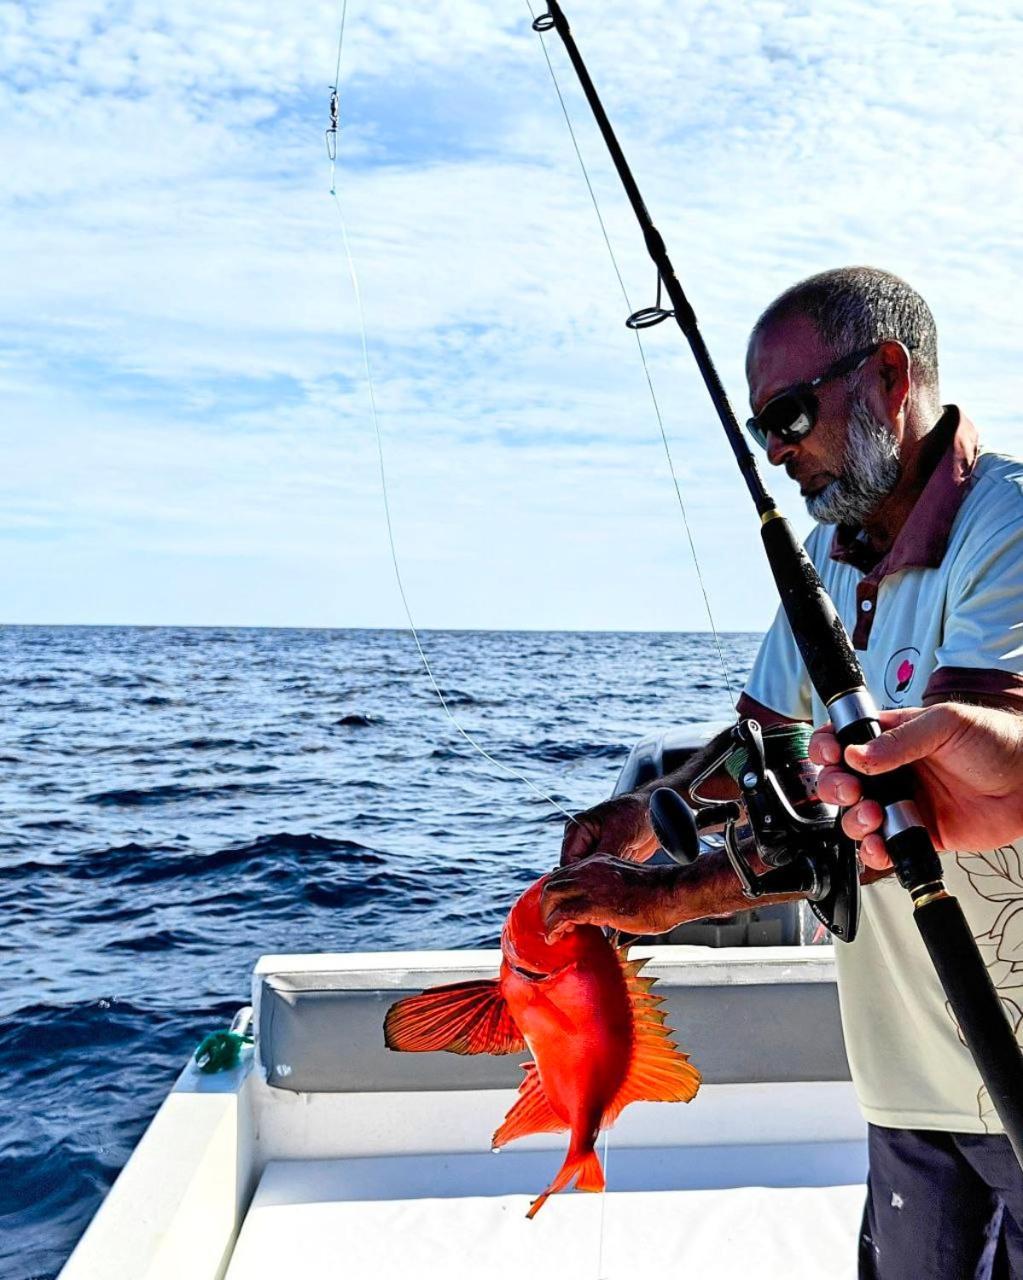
pixel 596 1034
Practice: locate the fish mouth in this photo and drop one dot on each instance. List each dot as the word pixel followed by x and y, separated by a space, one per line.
pixel 530 975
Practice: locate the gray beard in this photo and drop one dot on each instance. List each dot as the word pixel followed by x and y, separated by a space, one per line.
pixel 870 470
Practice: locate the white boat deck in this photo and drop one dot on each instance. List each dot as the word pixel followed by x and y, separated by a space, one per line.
pixel 328 1218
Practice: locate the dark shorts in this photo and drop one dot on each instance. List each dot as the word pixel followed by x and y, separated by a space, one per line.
pixel 941 1206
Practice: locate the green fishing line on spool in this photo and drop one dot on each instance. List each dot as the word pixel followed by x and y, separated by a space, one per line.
pixel 783 744
pixel 220 1051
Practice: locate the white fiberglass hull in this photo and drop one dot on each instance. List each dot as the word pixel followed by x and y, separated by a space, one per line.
pixel 324 1154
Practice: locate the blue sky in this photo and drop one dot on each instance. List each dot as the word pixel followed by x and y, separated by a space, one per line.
pixel 185 427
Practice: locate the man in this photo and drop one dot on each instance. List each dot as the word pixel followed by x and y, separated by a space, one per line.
pixel 925 566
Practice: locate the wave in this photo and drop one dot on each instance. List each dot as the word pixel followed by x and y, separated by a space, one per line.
pixel 161 940
pixel 135 863
pixel 175 793
pixel 552 751
pixel 134 680
pixel 334 893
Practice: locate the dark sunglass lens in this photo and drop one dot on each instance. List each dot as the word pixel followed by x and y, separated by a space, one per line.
pixel 756 431
pixel 788 417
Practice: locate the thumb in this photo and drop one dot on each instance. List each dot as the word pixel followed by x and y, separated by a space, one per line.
pixel 912 739
pixel 576 842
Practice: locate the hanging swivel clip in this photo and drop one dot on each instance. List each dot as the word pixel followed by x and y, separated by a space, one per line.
pixel 331 130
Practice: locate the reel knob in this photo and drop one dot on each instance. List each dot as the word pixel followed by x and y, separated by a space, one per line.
pixel 674 825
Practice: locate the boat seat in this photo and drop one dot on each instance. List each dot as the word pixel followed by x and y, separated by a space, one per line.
pixel 734 1011
pixel 369 1218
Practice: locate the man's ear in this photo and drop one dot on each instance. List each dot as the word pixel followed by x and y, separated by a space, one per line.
pixel 896 365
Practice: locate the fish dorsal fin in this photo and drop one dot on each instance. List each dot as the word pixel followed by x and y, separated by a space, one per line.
pixel 659 1071
pixel 462 1017
pixel 530 1113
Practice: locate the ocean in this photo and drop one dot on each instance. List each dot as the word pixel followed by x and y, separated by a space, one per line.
pixel 174 802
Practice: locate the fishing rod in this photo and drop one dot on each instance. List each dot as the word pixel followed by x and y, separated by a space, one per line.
pixel 836 676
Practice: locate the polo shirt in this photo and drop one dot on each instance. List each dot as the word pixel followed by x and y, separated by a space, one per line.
pixel 938 617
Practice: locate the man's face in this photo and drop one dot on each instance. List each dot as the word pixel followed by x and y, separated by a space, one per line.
pixel 849 462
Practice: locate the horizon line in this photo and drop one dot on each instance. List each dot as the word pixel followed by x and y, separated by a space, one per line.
pixel 264 626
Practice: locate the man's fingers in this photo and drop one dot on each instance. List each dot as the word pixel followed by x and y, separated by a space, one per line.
pixel 835 786
pixel 898 715
pixel 908 736
pixel 900 744
pixel 824 748
pixel 577 841
pixel 561 886
pixel 862 819
pixel 873 853
pixel 563 918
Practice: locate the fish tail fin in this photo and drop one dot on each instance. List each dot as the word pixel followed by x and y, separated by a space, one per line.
pixel 585 1167
pixel 591 1173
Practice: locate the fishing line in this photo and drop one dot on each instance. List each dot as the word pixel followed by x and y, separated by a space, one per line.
pixel 340 41
pixel 603 1207
pixel 371 389
pixel 642 356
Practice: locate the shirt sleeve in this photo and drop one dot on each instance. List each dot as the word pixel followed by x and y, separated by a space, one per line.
pixel 980 658
pixel 778 680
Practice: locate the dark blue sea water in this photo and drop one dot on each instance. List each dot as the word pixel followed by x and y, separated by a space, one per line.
pixel 174 802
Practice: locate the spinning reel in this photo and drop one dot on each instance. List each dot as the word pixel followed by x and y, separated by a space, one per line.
pixel 779 823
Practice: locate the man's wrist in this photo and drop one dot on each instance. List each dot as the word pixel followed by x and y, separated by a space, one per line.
pixel 705 888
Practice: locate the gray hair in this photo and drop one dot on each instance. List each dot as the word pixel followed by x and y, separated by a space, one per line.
pixel 855 307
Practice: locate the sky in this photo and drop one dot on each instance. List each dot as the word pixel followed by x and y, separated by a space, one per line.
pixel 185 428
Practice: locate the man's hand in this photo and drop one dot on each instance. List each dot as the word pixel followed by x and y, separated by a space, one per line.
pixel 619 827
pixel 968 764
pixel 607 891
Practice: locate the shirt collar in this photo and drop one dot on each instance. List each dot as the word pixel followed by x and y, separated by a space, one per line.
pixel 923 539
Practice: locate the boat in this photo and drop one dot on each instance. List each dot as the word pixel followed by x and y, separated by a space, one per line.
pixel 320 1152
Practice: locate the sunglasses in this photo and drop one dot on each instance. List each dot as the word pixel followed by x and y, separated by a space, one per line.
pixel 792 414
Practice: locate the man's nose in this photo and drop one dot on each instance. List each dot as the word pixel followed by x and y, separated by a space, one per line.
pixel 779 451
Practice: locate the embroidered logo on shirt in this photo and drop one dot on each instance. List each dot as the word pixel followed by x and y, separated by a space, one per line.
pixel 899 673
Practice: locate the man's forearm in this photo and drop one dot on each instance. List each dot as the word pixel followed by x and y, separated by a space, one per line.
pixel 709 887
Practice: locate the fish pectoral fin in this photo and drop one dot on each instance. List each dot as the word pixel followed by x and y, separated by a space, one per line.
pixel 531 1112
pixel 462 1017
pixel 659 1071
